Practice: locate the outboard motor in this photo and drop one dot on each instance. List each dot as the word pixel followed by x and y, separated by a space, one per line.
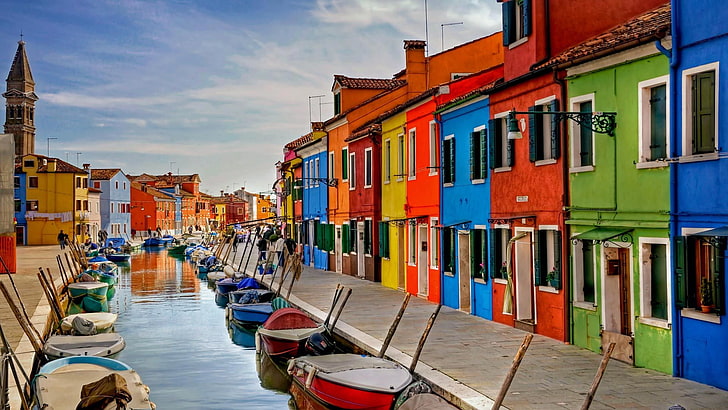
pixel 320 344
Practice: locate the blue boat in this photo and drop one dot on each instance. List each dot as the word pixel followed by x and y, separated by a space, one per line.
pixel 118 257
pixel 154 242
pixel 249 314
pixel 242 335
pixel 222 288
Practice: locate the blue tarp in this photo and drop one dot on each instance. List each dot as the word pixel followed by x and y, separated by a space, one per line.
pixel 248 283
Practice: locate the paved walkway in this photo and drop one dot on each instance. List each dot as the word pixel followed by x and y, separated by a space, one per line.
pixel 465 355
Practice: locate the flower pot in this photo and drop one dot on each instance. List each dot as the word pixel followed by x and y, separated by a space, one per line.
pixel 706 309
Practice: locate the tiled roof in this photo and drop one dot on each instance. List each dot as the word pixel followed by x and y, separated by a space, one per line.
pixel 485 89
pixel 649 26
pixel 151 190
pixel 375 128
pixel 95 190
pixel 61 166
pixel 104 174
pixel 299 141
pixel 368 83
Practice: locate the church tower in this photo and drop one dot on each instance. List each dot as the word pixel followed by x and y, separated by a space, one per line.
pixel 20 101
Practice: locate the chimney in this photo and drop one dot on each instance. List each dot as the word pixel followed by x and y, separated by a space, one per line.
pixel 415 67
pixel 86 166
pixel 317 126
pixel 51 165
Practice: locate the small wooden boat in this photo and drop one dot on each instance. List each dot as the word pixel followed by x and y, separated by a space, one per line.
pixel 59 384
pixel 286 331
pixel 102 345
pixel 249 314
pixel 214 276
pixel 149 242
pixel 88 297
pixel 118 257
pixel 177 250
pixel 350 381
pixel 222 288
pixel 103 321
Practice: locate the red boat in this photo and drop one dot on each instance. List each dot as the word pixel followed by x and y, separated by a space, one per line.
pixel 285 332
pixel 350 381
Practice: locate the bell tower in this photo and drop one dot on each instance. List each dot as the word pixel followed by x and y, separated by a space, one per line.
pixel 20 101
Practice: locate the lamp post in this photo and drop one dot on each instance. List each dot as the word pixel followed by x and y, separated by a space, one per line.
pixel 48 142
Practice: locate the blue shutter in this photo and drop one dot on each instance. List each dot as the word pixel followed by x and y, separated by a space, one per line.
pixel 538 268
pixel 533 133
pixel 491 143
pixel 681 281
pixel 555 134
pixel 473 157
pixel 483 154
pixel 508 11
pixel 526 18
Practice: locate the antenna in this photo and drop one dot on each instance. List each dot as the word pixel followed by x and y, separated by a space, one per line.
pixel 427 35
pixel 442 33
pixel 310 120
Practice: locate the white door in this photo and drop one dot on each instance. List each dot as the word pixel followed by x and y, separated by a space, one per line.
pixel 524 279
pixel 422 261
pixel 337 249
pixel 311 241
pixel 360 249
pixel 464 270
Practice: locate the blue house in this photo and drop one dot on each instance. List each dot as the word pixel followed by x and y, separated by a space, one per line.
pixel 21 226
pixel 314 227
pixel 465 207
pixel 699 194
pixel 115 200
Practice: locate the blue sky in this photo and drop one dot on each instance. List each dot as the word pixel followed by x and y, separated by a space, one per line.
pixel 211 87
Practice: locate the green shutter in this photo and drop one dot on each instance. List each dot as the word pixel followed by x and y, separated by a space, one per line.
pixel 681 280
pixel 538 243
pixel 658 122
pixel 493 262
pixel 557 259
pixel 704 112
pixel 473 265
pixel 526 17
pixel 344 238
pixel 508 12
pixel 658 281
pixel 533 136
pixel 718 264
pixel 555 131
pixel 472 156
pixel 345 164
pixel 585 135
pixel 491 142
pixel 511 153
pixel 483 154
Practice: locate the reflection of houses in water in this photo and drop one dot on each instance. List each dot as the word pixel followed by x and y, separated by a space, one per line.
pixel 159 273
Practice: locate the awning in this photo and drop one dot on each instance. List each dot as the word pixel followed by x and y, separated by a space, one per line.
pixel 600 234
pixel 722 231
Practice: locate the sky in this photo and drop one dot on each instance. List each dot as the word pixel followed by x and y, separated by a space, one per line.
pixel 213 87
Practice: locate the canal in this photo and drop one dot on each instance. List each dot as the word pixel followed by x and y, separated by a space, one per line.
pixel 178 341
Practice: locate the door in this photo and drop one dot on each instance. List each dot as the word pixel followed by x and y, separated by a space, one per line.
pixel 401 259
pixel 20 235
pixel 524 279
pixel 617 303
pixel 464 270
pixel 311 242
pixel 337 250
pixel 360 249
pixel 422 271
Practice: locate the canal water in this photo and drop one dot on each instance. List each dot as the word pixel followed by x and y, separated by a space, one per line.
pixel 178 341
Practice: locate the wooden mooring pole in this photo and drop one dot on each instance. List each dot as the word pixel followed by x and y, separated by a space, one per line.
pixel 393 328
pixel 512 372
pixel 598 377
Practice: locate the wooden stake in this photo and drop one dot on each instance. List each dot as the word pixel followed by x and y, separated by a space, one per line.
pixel 423 338
pixel 17 294
pixel 27 327
pixel 512 372
pixel 393 327
pixel 338 313
pixel 598 377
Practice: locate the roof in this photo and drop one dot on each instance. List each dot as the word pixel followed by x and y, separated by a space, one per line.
pixel 104 174
pixel 61 166
pixel 94 190
pixel 375 128
pixel 646 27
pixel 367 83
pixel 151 190
pixel 299 141
pixel 485 89
pixel 20 70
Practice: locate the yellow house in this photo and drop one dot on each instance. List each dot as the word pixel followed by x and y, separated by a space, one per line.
pixel 56 199
pixel 394 195
pixel 265 208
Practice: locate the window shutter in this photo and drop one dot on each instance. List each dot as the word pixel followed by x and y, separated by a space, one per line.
pixel 555 134
pixel 511 153
pixel 491 142
pixel 508 12
pixel 526 17
pixel 718 263
pixel 681 282
pixel 381 239
pixel 533 133
pixel 473 157
pixel 332 235
pixel 483 154
pixel 344 238
pixel 452 160
pixel 493 262
pixel 484 254
pixel 704 112
pixel 538 241
pixel 473 267
pixel 557 259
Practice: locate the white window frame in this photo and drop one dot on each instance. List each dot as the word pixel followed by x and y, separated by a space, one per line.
pixel 546 121
pixel 687 107
pixel 317 171
pixel 412 244
pixel 645 125
pixel 347 165
pixel 434 144
pixel 447 138
pixel 549 248
pixel 434 245
pixel 412 154
pixel 645 282
pixel 387 162
pixel 484 171
pixel 352 168
pixel 368 167
pixel 577 276
pixel 503 117
pixel 574 135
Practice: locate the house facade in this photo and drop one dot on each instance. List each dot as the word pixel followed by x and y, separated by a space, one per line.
pixel 314 224
pixel 115 197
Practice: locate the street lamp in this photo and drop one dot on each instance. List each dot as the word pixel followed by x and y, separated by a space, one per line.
pixel 599 122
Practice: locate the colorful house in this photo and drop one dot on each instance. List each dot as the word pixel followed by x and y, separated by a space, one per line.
pixel 114 200
pixel 152 208
pixel 20 204
pixel 315 233
pixel 699 197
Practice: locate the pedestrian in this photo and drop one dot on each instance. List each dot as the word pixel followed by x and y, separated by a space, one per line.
pixel 262 246
pixel 189 229
pixel 133 233
pixel 149 232
pixel 280 246
pixel 62 239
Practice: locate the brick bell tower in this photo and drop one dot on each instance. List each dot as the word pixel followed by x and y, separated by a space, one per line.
pixel 20 101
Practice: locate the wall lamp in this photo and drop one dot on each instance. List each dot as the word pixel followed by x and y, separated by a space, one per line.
pixel 599 122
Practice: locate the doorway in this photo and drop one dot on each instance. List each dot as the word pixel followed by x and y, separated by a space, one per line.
pixel 360 249
pixel 524 280
pixel 464 270
pixel 401 259
pixel 423 282
pixel 617 312
pixel 337 250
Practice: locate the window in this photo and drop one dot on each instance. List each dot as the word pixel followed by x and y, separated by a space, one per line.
pixel 448 250
pixel 78 182
pixel 85 205
pixel 124 186
pixel 368 168
pixel 353 236
pixel 317 171
pixel 543 132
pixel 583 259
pixel 653 119
pixel 31 205
pixel 500 148
pixel 516 21
pixel 400 161
pixel 384 239
pixel 412 154
pixel 345 238
pixel 434 244
pixel 97 184
pixel 78 205
pixel 654 278
pixel 498 246
pixel 84 182
pixel 368 236
pixel 412 244
pixel 18 205
pixel 448 160
pixel 479 254
pixel 547 252
pixel 582 146
pixel 28 163
pixel 352 170
pixel 477 154
pixel 699 269
pixel 344 164
pixel 337 103
pixel 433 147
pixel 16 182
pixel 387 171
pixel 116 185
pixel 32 182
pixel 331 165
pixel 700 107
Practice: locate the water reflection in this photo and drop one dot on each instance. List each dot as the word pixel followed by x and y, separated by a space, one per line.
pixel 240 335
pixel 177 339
pixel 272 374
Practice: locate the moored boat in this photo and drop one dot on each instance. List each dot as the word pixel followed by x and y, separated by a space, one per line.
pixel 118 257
pixel 102 345
pixel 88 297
pixel 154 241
pixel 286 331
pixel 249 314
pixel 103 321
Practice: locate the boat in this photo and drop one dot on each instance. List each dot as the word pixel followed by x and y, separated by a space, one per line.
pixel 177 250
pixel 102 345
pixel 242 335
pixel 60 384
pixel 350 381
pixel 222 288
pixel 248 296
pixel 118 257
pixel 214 276
pixel 103 321
pixel 154 241
pixel 88 297
pixel 286 331
pixel 249 314
pixel 167 239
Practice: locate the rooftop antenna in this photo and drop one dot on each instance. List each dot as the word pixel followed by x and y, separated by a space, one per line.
pixel 427 35
pixel 310 119
pixel 442 33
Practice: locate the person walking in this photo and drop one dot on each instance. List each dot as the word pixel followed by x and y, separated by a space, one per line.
pixel 62 238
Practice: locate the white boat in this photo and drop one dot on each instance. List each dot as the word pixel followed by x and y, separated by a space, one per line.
pixel 103 321
pixel 59 383
pixel 102 345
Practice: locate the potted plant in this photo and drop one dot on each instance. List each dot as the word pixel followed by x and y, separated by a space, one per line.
pixel 706 295
pixel 552 277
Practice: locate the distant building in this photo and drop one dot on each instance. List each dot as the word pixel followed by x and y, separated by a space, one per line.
pixel 114 200
pixel 20 101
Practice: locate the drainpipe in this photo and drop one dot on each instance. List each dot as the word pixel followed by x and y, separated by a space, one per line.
pixel 438 121
pixel 565 242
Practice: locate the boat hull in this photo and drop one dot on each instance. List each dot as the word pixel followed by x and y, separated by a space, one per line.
pixel 282 344
pixel 252 314
pixel 101 345
pixel 88 297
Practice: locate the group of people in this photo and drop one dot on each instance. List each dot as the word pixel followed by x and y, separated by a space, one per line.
pixel 62 239
pixel 273 247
